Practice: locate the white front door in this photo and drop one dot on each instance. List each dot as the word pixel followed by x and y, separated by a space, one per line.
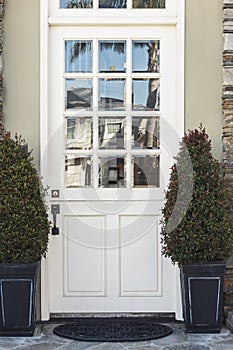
pixel 112 132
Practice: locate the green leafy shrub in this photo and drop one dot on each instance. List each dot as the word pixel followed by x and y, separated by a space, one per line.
pixel 24 225
pixel 205 231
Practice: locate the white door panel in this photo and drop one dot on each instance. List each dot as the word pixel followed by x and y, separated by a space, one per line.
pixel 140 273
pixel 84 258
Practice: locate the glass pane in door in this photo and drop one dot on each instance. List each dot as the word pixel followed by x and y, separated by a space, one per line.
pixel 145 94
pixel 148 4
pixel 145 56
pixel 115 4
pixel 78 4
pixel 79 133
pixel 145 171
pixel 78 56
pixel 78 171
pixel 111 133
pixel 112 172
pixel 112 56
pixel 78 94
pixel 145 132
pixel 111 94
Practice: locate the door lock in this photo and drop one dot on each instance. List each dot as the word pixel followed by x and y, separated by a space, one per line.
pixel 55 193
pixel 55 209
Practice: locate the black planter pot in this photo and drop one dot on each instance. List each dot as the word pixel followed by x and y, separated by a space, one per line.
pixel 18 294
pixel 202 296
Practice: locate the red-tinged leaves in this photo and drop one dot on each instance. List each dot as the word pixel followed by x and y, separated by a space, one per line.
pixel 24 225
pixel 205 232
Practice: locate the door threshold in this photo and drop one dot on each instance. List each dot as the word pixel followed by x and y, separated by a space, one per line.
pixel 160 316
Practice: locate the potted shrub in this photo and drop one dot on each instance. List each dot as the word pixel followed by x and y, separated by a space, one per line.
pixel 24 229
pixel 198 234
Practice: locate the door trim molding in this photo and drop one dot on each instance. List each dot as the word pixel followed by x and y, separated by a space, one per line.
pixel 44 32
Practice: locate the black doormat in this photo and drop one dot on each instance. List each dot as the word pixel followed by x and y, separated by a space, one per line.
pixel 109 329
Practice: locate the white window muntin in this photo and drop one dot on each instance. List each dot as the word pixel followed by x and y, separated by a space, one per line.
pixel 168 65
pixel 96 152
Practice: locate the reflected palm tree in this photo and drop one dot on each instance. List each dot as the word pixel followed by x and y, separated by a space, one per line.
pixel 81 47
pixel 118 47
pixel 78 48
pixel 79 4
pixel 148 4
pixel 149 140
pixel 146 170
pixel 116 4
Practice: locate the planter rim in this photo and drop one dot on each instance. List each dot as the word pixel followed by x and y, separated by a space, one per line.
pixel 211 269
pixel 20 264
pixel 216 262
pixel 19 269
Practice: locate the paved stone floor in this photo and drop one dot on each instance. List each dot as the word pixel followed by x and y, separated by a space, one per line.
pixel 44 339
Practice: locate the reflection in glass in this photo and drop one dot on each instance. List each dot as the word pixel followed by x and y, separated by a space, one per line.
pixel 145 94
pixel 145 56
pixel 112 56
pixel 145 171
pixel 78 171
pixel 111 94
pixel 111 132
pixel 117 4
pixel 78 93
pixel 78 4
pixel 111 172
pixel 78 56
pixel 145 132
pixel 79 133
pixel 148 4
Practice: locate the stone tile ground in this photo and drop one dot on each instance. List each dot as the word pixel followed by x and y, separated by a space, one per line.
pixel 44 339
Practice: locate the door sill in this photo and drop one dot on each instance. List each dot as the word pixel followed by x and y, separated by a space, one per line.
pixel 160 316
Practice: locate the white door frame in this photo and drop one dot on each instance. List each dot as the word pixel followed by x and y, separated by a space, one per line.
pixel 45 22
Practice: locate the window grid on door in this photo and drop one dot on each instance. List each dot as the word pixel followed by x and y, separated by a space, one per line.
pixel 112 4
pixel 111 113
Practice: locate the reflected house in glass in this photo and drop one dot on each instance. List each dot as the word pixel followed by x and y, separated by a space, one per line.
pixel 78 171
pixel 79 133
pixel 145 171
pixel 111 133
pixel 110 103
pixel 112 172
pixel 79 98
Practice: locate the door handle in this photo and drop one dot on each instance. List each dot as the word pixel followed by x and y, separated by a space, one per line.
pixel 55 209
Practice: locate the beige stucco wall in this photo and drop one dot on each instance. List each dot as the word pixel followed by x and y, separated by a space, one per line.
pixel 203 72
pixel 21 69
pixel 203 68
